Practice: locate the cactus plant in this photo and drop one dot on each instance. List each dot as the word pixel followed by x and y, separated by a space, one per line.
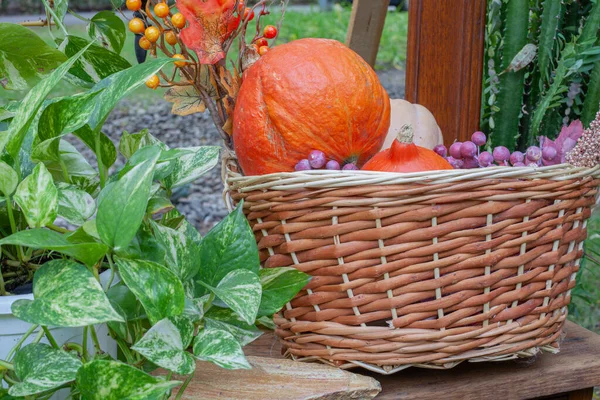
pixel 558 86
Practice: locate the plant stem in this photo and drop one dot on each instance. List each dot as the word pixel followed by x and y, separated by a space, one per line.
pixel 112 271
pixel 65 172
pixel 2 288
pixel 50 337
pixel 184 386
pixel 38 337
pixel 97 146
pixel 55 18
pixel 57 228
pixel 73 13
pixel 20 342
pixel 125 349
pixel 13 225
pixel 95 340
pixel 6 365
pixel 84 345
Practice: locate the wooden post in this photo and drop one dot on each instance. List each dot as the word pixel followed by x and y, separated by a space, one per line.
pixel 366 26
pixel 445 62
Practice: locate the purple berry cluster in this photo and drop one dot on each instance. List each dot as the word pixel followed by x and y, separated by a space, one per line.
pixel 467 155
pixel 317 160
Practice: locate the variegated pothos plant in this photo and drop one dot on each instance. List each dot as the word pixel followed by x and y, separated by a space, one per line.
pixel 172 297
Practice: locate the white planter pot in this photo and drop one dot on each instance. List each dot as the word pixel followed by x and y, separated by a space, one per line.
pixel 12 329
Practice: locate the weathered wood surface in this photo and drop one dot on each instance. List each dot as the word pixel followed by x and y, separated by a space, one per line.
pixel 365 27
pixel 576 367
pixel 444 64
pixel 274 379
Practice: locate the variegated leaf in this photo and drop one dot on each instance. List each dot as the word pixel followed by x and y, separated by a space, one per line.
pixel 156 287
pixel 66 294
pixel 122 205
pixel 227 247
pixel 8 179
pixel 194 309
pixel 279 285
pixel 241 291
pixel 227 320
pixel 164 345
pixel 39 368
pixel 74 205
pixel 191 166
pixel 220 347
pixel 114 380
pixel 182 248
pixel 108 29
pixel 87 252
pixel 132 142
pixel 185 99
pixel 267 322
pixel 38 198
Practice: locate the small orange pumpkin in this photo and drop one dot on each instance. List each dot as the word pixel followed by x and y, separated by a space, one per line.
pixel 308 94
pixel 405 156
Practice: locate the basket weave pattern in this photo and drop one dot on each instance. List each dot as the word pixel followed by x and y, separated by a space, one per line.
pixel 425 269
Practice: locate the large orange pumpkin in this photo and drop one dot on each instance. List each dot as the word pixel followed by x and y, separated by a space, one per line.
pixel 309 94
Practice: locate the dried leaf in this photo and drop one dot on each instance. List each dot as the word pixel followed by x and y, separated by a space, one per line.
pixel 230 82
pixel 249 57
pixel 185 100
pixel 228 127
pixel 211 23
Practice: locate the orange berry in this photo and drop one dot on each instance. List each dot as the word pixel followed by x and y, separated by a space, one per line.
pixel 179 63
pixel 161 10
pixel 171 38
pixel 262 50
pixel 137 26
pixel 178 21
pixel 248 12
pixel 152 34
pixel 270 32
pixel 145 43
pixel 153 82
pixel 134 5
pixel 261 42
pixel 241 5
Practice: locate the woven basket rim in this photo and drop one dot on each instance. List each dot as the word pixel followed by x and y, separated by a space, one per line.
pixel 340 179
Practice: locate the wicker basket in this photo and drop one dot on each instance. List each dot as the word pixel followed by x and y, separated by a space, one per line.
pixel 425 269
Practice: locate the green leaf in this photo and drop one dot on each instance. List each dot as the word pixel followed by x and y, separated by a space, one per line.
pixel 122 296
pixel 97 62
pixel 60 117
pixel 38 197
pixel 108 29
pixel 132 142
pixel 31 103
pixel 165 344
pixel 120 85
pixel 227 320
pixel 88 253
pixel 108 152
pixel 60 8
pixel 39 368
pixel 66 294
pixel 159 204
pixel 220 347
pixel 190 167
pixel 74 205
pixel 241 291
pixel 24 57
pixel 194 309
pixel 229 246
pixel 182 248
pixel 267 322
pixel 157 288
pixel 114 380
pixel 79 170
pixel 279 286
pixel 8 179
pixel 123 204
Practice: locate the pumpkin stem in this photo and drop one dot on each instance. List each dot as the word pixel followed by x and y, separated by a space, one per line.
pixel 406 134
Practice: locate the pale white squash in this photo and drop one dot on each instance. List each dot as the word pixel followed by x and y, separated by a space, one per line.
pixel 427 133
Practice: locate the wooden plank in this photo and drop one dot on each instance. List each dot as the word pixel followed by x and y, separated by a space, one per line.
pixel 365 28
pixel 576 367
pixel 445 62
pixel 272 378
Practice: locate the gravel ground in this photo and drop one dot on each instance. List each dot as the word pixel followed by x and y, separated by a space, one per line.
pixel 202 202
